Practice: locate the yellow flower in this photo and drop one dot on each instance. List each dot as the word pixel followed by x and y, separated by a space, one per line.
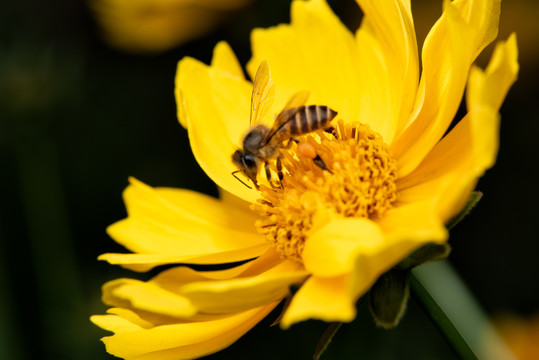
pixel 392 179
pixel 157 25
pixel 520 333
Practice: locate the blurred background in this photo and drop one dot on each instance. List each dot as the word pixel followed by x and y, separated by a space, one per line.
pixel 86 102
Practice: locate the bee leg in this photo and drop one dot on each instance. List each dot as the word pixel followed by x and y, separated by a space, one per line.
pixel 321 164
pixel 289 143
pixel 268 172
pixel 331 130
pixel 268 175
pixel 255 184
pixel 280 171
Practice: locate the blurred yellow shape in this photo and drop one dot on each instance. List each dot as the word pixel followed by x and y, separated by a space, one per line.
pixel 150 26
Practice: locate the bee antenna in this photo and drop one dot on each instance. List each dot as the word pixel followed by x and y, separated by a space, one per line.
pixel 237 178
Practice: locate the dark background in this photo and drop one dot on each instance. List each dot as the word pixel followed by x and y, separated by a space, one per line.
pixel 78 117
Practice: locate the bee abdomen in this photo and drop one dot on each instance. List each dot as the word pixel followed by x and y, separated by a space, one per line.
pixel 310 118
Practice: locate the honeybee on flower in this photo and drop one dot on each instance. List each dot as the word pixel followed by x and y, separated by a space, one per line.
pixel 262 143
pixel 396 177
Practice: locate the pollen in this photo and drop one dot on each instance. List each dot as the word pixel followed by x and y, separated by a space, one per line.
pixel 351 173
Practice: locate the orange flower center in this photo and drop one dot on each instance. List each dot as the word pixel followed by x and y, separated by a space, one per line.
pixel 347 170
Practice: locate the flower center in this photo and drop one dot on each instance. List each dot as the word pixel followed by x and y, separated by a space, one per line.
pixel 347 170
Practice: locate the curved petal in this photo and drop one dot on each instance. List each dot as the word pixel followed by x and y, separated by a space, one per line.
pixel 147 296
pixel 332 250
pixel 388 65
pixel 405 229
pixel 484 17
pixel 233 201
pixel 450 48
pixel 358 251
pixel 177 341
pixel 488 88
pixel 182 223
pixel 126 320
pixel 145 262
pixel 449 192
pixel 315 53
pixel 183 293
pixel 245 292
pixel 409 226
pixel 225 59
pixel 327 299
pixel 214 105
pixel 450 171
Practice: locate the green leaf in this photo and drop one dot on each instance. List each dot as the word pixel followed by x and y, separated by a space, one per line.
pixel 470 204
pixel 453 309
pixel 325 339
pixel 388 297
pixel 426 253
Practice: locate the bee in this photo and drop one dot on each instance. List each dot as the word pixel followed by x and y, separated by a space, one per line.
pixel 262 143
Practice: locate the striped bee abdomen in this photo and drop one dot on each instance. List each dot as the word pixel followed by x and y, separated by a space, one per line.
pixel 310 118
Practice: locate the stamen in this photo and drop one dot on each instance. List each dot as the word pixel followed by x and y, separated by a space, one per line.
pixel 357 180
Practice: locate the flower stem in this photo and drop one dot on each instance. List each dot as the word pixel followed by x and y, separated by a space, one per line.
pixel 455 312
pixel 326 339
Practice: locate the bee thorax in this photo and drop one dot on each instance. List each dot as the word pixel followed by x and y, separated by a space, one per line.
pixel 254 138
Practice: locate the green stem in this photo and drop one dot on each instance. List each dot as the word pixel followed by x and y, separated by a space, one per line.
pixel 326 339
pixel 454 311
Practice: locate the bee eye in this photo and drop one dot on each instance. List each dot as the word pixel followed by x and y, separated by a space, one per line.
pixel 249 161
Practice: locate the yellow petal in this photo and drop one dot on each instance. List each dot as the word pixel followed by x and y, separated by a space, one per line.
pixel 182 293
pixel 187 205
pixel 327 299
pixel 214 105
pixel 333 249
pixel 145 262
pixel 388 65
pixel 180 341
pixel 449 50
pixel 484 17
pixel 449 191
pixel 255 283
pixel 131 317
pixel 146 296
pixel 225 59
pixel 411 225
pixel 233 201
pixel 488 88
pixel 119 323
pixel 405 229
pixel 315 53
pixel 245 292
pixel 450 171
pixel 182 223
pixel 361 251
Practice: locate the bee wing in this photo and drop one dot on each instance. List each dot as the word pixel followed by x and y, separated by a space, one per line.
pixel 289 110
pixel 296 100
pixel 263 93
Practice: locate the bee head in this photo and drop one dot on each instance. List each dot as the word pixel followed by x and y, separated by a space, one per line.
pixel 247 163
